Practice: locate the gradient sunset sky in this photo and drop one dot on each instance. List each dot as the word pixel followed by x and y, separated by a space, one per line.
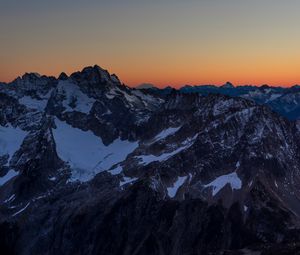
pixel 165 42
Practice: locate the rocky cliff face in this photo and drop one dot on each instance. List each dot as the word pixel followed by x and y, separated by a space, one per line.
pixel 90 166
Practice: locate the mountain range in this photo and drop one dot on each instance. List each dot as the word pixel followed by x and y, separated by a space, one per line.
pixel 91 166
pixel 283 100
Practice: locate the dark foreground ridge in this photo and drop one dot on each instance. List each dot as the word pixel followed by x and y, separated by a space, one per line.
pixel 90 166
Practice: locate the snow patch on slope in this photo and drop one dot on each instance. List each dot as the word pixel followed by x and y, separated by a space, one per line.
pixel 147 159
pixel 20 211
pixel 165 133
pixel 127 180
pixel 36 104
pixel 32 103
pixel 86 153
pixel 10 140
pixel 232 179
pixel 273 97
pixel 10 199
pixel 117 170
pixel 75 99
pixel 173 190
pixel 146 99
pixel 11 174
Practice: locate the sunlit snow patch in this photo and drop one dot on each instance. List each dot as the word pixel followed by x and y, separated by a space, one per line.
pixel 86 153
pixel 232 178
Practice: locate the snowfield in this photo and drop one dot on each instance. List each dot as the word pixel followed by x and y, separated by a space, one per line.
pixel 220 182
pixel 86 153
pixel 10 140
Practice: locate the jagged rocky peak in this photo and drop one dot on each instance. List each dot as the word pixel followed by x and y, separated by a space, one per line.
pixel 265 88
pixel 27 78
pixel 95 75
pixel 115 78
pixel 63 76
pixel 30 76
pixel 32 83
pixel 227 85
pixel 35 77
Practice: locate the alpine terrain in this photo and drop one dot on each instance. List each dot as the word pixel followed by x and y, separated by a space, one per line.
pixel 91 166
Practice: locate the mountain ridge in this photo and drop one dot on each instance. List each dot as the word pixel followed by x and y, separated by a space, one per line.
pixel 91 166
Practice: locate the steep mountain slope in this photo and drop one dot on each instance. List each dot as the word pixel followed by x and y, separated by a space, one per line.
pixel 90 166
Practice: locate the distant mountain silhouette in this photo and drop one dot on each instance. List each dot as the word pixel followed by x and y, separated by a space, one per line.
pixel 145 86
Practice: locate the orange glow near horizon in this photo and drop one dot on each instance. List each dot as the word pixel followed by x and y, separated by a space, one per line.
pixel 162 42
pixel 177 76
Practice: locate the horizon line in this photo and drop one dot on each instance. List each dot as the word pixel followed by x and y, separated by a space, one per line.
pixel 161 86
